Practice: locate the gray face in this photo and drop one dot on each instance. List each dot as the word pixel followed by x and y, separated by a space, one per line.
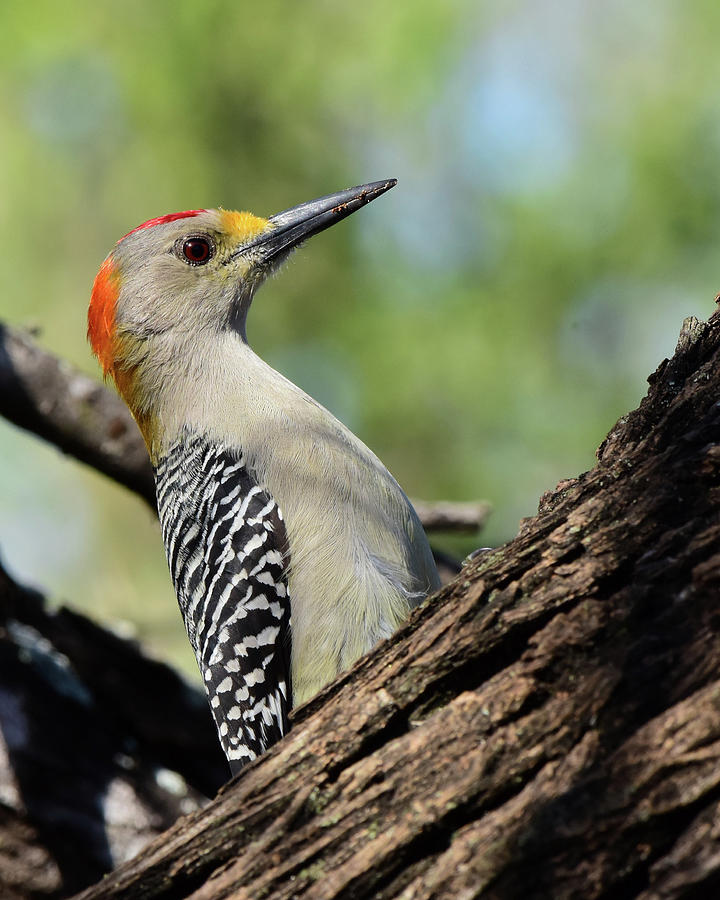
pixel 183 276
pixel 186 276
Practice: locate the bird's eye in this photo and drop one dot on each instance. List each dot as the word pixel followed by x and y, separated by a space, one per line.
pixel 197 250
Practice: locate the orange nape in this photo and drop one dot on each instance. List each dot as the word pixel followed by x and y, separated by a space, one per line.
pixel 101 314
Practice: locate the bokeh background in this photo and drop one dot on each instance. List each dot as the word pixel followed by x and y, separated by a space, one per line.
pixel 481 327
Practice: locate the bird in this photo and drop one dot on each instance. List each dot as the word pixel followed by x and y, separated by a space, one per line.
pixel 291 548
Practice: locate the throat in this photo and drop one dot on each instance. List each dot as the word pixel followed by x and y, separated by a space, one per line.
pixel 219 389
pixel 204 386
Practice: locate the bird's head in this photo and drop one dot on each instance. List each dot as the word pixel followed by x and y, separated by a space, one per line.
pixel 175 280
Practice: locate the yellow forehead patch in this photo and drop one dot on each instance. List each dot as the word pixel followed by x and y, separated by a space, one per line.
pixel 243 226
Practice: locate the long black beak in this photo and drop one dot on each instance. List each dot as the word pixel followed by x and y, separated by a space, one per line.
pixel 295 225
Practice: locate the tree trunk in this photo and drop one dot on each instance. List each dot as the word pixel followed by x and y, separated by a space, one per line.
pixel 548 725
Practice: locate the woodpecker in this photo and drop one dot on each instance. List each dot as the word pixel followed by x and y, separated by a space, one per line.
pixel 292 549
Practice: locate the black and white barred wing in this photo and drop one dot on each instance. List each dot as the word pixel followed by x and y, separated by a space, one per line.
pixel 226 547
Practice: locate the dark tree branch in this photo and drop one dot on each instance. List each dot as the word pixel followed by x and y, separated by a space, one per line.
pixel 547 726
pixel 48 397
pixel 463 518
pixel 101 747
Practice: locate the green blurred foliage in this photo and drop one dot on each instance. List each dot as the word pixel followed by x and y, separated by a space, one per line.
pixel 481 326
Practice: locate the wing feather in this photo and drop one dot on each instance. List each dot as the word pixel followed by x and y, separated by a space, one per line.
pixel 227 550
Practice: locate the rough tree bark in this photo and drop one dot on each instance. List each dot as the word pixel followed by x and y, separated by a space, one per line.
pixel 548 725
